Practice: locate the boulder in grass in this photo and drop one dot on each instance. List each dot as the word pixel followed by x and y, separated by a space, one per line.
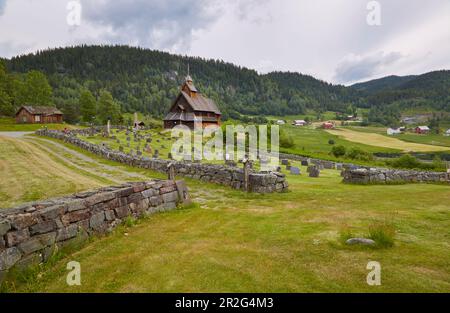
pixel 360 241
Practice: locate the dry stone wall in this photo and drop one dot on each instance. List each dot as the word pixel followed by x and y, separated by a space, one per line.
pixel 389 176
pixel 30 233
pixel 259 182
pixel 358 174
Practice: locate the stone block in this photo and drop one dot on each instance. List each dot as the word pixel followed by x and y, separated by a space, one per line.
pixel 170 197
pixel 75 216
pixel 122 211
pixel 97 220
pixel 15 237
pixel 21 221
pixel 43 227
pixel 149 193
pixel 135 197
pixel 100 197
pixel 295 170
pixel 76 205
pixel 4 227
pixel 52 212
pixel 67 232
pixel 30 246
pixel 9 257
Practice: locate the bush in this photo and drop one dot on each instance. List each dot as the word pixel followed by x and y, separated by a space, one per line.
pixel 338 151
pixel 331 142
pixel 286 141
pixel 358 154
pixel 383 233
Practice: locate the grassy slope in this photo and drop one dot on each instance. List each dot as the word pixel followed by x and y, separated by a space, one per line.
pixel 430 139
pixel 28 174
pixel 280 242
pixel 9 124
pixel 384 141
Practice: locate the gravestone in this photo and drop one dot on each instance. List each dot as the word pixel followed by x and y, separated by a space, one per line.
pixel 118 141
pixel 295 170
pixel 128 138
pixel 139 152
pixel 339 166
pixel 305 163
pixel 284 162
pixel 313 171
pixel 288 167
pixel 149 140
pixel 278 169
pixel 156 154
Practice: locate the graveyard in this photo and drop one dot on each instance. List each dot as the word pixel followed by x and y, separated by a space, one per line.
pixel 230 240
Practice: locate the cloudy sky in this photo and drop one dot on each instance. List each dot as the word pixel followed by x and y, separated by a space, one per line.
pixel 329 39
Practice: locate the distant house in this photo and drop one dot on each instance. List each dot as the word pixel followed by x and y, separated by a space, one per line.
pixel 395 131
pixel 191 107
pixel 38 115
pixel 281 122
pixel 327 125
pixel 422 130
pixel 447 133
pixel 299 123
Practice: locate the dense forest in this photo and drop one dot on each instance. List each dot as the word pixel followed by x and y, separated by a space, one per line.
pixel 137 79
pixel 147 81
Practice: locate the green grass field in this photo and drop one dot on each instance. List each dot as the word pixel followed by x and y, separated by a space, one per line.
pixel 429 139
pixel 230 241
pixel 9 124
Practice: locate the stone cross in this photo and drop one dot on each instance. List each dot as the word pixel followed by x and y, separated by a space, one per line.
pixel 247 166
pixel 108 128
pixel 171 171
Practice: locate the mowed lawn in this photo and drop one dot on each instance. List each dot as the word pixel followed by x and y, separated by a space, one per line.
pixel 428 139
pixel 28 174
pixel 237 242
pixel 9 124
pixel 379 140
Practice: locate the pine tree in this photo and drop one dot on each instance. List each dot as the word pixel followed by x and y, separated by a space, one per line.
pixel 36 89
pixel 88 106
pixel 108 108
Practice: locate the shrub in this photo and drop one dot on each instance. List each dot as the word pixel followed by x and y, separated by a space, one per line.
pixel 383 233
pixel 286 141
pixel 358 154
pixel 331 142
pixel 338 151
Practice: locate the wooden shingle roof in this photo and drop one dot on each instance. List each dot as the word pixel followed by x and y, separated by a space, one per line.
pixel 42 110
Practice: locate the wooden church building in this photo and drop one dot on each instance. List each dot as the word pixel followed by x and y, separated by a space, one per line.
pixel 191 107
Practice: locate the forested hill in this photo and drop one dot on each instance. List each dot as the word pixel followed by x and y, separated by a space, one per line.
pixel 430 90
pixel 147 81
pixel 381 84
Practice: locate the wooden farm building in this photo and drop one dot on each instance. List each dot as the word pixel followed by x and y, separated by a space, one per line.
pixel 38 115
pixel 191 107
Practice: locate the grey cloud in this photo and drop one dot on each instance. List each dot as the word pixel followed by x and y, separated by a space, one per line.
pixel 159 24
pixel 357 67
